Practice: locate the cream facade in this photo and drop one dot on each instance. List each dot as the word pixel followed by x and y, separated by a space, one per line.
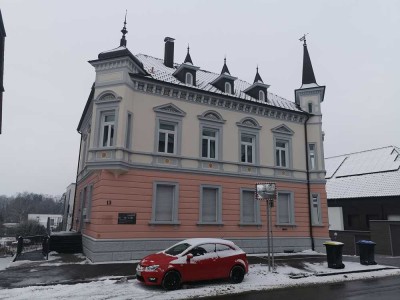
pixel 164 159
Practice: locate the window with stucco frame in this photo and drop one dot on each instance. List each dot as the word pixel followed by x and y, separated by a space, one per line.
pixel 285 214
pixel 249 208
pixel 165 203
pixel 249 127
pixel 212 121
pixel 168 114
pixel 210 212
pixel 107 103
pixel 283 154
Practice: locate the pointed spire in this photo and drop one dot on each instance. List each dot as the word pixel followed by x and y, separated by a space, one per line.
pixel 308 72
pixel 258 77
pixel 225 68
pixel 124 32
pixel 188 59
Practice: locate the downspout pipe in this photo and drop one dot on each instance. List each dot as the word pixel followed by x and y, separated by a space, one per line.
pixel 308 184
pixel 76 182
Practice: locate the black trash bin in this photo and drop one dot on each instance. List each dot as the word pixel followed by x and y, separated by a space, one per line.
pixel 334 254
pixel 367 252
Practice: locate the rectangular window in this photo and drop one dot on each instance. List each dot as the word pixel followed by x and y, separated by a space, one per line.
pixel 282 153
pixel 107 129
pixel 165 203
pixel 87 202
pixel 166 138
pixel 250 209
pixel 312 158
pixel 285 209
pixel 316 210
pixel 247 148
pixel 128 141
pixel 209 143
pixel 210 205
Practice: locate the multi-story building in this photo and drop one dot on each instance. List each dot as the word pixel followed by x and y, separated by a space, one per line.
pixel 171 151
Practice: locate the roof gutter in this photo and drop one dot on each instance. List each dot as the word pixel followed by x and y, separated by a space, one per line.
pixel 308 185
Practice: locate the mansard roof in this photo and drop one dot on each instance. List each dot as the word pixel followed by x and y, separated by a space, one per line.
pixel 120 51
pixel 158 71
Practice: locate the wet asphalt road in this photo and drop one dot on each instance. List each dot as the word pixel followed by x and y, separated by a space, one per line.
pixel 25 276
pixel 387 288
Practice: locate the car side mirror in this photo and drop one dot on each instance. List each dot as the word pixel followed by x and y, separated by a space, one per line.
pixel 189 257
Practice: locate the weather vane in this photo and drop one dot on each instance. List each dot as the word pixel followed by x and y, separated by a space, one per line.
pixel 303 38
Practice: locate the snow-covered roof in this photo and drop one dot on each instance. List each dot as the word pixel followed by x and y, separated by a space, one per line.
pixel 157 70
pixel 371 173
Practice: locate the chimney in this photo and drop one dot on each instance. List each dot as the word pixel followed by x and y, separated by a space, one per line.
pixel 169 52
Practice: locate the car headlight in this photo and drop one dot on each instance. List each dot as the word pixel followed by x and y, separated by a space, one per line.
pixel 152 268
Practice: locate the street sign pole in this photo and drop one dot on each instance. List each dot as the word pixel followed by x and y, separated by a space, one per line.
pixel 267 191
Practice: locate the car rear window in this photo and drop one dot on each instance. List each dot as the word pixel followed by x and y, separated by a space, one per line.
pixel 221 247
pixel 177 249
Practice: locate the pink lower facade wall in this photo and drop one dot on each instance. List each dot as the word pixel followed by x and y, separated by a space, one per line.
pixel 132 192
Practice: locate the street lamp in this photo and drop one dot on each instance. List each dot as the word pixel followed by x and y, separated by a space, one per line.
pixel 267 191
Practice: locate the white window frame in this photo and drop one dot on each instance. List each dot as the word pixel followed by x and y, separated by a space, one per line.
pixel 261 95
pixel 175 203
pixel 110 142
pixel 189 78
pixel 290 207
pixel 279 151
pixel 228 88
pixel 218 205
pixel 316 216
pixel 246 145
pixel 312 156
pixel 167 134
pixel 256 208
pixel 209 140
pixel 128 138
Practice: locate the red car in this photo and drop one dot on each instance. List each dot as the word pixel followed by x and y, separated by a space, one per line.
pixel 193 260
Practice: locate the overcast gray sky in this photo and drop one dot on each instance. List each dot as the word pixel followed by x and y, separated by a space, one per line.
pixel 354 48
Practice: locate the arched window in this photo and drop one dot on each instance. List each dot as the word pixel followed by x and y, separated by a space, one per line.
pixel 189 78
pixel 228 88
pixel 261 95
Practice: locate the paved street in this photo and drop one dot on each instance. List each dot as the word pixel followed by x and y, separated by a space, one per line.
pixel 387 288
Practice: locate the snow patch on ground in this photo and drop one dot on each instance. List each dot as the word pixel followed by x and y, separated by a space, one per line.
pixel 258 279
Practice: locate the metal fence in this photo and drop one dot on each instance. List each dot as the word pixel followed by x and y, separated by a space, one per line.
pixel 26 244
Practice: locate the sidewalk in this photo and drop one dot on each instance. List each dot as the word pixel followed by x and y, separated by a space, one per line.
pixel 72 269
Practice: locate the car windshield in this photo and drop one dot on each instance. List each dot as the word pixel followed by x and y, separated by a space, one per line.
pixel 177 249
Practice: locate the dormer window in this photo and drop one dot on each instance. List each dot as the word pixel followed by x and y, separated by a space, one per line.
pixel 261 95
pixel 189 78
pixel 228 88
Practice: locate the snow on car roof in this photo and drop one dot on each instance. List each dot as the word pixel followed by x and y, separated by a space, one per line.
pixel 197 241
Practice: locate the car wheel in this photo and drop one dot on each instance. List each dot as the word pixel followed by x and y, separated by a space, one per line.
pixel 237 274
pixel 171 281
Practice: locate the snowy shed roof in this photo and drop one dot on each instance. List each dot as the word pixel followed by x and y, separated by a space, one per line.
pixel 371 173
pixel 157 70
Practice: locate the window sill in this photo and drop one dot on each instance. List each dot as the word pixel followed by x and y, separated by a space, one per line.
pixel 318 225
pixel 285 225
pixel 164 223
pixel 86 221
pixel 250 224
pixel 210 223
